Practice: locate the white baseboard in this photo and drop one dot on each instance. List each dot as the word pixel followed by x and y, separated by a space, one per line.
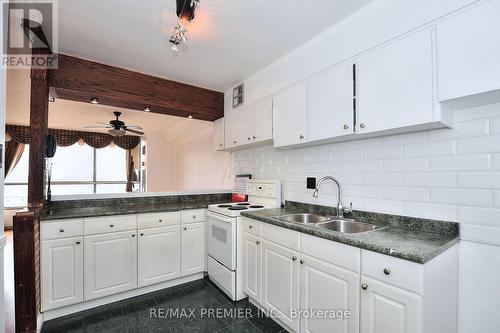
pixel 64 311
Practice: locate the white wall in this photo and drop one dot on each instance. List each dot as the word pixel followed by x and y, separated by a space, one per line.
pixel 196 166
pixel 451 174
pixel 157 163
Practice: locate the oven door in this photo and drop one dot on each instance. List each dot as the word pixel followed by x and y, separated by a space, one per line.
pixel 222 239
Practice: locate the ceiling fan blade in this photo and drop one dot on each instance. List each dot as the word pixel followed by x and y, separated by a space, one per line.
pixel 133 131
pixel 102 123
pixel 134 127
pixel 97 126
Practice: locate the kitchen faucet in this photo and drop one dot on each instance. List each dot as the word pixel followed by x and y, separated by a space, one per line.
pixel 340 208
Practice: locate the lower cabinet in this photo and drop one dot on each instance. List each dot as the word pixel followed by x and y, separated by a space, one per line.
pixel 110 263
pixel 280 282
pixel 324 286
pixel 62 272
pixel 159 258
pixel 388 309
pixel 193 248
pixel 252 262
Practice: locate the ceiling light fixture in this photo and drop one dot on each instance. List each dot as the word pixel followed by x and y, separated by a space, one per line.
pixel 52 98
pixel 94 100
pixel 185 12
pixel 147 109
pixel 190 116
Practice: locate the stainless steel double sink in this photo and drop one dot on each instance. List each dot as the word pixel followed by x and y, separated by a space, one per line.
pixel 330 223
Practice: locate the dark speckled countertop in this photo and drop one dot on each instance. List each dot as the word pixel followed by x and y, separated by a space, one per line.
pixel 413 239
pixel 74 209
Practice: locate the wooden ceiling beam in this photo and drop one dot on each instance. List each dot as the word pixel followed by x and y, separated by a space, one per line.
pixel 79 80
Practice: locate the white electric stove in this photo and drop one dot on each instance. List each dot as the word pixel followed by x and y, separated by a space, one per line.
pixel 225 234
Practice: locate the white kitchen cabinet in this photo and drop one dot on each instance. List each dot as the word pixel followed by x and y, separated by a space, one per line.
pixel 468 51
pixel 330 111
pixel 395 87
pixel 252 268
pixel 290 116
pixel 262 114
pixel 219 134
pixel 159 256
pixel 193 248
pixel 61 272
pixel 238 125
pixel 324 286
pixel 388 309
pixel 110 263
pixel 280 282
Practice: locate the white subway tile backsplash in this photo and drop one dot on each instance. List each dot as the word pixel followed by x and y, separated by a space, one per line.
pixel 460 163
pixel 487 144
pixel 405 165
pixel 406 194
pixel 482 198
pixel 451 174
pixel 430 179
pixel 489 180
pixel 429 149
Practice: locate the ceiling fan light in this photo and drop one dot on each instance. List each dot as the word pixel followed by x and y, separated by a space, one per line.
pixel 190 116
pixel 94 100
pixel 147 109
pixel 116 132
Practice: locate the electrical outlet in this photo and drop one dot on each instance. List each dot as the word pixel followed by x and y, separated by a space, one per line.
pixel 311 183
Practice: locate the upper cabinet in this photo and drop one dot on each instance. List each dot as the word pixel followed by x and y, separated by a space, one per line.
pixel 395 86
pixel 330 110
pixel 290 116
pixel 262 120
pixel 469 52
pixel 219 134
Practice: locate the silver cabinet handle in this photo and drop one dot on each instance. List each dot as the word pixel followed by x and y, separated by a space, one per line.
pixel 234 141
pixel 254 137
pixel 142 234
pixel 387 271
pixel 302 261
pixel 61 230
pixel 249 138
pixel 185 228
pixel 301 136
pixel 364 286
pixel 294 258
pixel 250 226
pixel 194 216
pixel 111 225
pixel 346 126
pixel 257 242
pixel 362 125
pixel 77 242
pixel 220 144
pixel 133 235
pixel 160 220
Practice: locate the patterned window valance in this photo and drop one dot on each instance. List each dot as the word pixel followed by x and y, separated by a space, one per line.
pixel 66 138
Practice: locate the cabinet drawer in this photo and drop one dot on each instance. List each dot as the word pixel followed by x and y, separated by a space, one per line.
pixel 192 215
pixel 152 220
pixel 252 226
pixel 281 236
pixel 61 229
pixel 109 224
pixel 335 253
pixel 398 272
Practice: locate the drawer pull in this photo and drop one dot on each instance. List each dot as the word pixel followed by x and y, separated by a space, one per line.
pixel 250 226
pixel 133 235
pixel 194 216
pixel 160 220
pixel 257 242
pixel 111 225
pixel 185 228
pixel 364 286
pixel 294 258
pixel 387 271
pixel 142 234
pixel 302 261
pixel 77 242
pixel 61 230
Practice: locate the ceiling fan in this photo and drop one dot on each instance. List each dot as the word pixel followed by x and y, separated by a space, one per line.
pixel 116 127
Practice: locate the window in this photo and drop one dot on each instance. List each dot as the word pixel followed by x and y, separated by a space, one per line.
pixel 77 169
pixel 238 95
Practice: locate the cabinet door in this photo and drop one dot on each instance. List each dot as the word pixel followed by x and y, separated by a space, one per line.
pixel 238 127
pixel 395 85
pixel 263 120
pixel 219 134
pixel 62 272
pixel 388 309
pixel 325 286
pixel 468 52
pixel 280 282
pixel 252 268
pixel 330 104
pixel 290 116
pixel 159 252
pixel 110 264
pixel 193 248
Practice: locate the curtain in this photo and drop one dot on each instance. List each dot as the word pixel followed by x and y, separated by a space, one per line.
pixel 129 170
pixel 13 152
pixel 66 138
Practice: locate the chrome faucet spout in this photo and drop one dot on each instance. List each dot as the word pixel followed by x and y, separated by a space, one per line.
pixel 340 209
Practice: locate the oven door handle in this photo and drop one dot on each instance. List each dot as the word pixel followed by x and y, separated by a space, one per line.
pixel 220 217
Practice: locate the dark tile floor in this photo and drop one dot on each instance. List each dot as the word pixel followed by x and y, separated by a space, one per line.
pixel 200 306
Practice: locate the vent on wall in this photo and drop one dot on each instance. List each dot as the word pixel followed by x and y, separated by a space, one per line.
pixel 237 95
